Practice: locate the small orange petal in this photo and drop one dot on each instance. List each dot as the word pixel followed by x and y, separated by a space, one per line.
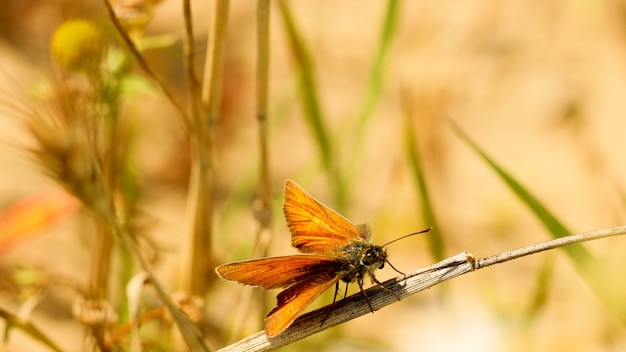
pixel 32 215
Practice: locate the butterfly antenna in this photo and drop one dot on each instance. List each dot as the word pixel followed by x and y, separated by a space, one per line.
pixel 405 236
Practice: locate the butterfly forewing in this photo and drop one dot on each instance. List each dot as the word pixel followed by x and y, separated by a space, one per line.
pixel 292 301
pixel 278 272
pixel 314 227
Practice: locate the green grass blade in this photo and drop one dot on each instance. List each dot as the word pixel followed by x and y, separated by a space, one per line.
pixel 554 226
pixel 376 76
pixel 587 266
pixel 428 213
pixel 377 73
pixel 311 103
pixel 27 327
pixel 310 97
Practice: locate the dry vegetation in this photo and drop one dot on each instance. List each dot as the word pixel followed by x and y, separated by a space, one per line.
pixel 539 86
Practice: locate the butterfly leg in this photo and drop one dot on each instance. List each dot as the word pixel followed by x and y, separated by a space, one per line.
pixel 360 282
pixel 335 299
pixel 336 291
pixel 383 286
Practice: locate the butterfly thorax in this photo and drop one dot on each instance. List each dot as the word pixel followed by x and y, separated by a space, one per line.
pixel 361 258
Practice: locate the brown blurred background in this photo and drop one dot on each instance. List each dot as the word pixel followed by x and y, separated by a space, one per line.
pixel 539 85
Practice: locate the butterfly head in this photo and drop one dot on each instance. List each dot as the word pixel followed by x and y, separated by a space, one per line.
pixel 374 257
pixel 361 258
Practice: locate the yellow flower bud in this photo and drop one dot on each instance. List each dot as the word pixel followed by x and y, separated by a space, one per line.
pixel 78 45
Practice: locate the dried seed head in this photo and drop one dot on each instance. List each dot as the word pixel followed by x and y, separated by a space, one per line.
pixel 192 306
pixel 134 15
pixel 93 312
pixel 67 136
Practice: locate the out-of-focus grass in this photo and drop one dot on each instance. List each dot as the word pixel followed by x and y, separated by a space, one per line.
pixel 312 107
pixel 421 187
pixel 376 79
pixel 588 267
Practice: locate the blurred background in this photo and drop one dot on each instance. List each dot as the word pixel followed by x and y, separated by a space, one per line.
pixel 539 86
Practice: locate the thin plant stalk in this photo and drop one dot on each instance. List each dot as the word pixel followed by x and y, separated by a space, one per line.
pixel 142 61
pixel 202 178
pixel 198 251
pixel 263 59
pixel 263 205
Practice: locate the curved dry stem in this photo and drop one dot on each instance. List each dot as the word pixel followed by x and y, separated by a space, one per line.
pixel 142 61
pixel 403 286
pixel 28 328
pixel 191 334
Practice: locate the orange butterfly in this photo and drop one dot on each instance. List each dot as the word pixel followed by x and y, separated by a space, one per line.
pixel 339 251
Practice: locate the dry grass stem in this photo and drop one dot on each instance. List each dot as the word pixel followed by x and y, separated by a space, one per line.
pixel 142 61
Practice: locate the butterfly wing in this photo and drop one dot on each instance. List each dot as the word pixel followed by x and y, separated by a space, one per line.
pixel 293 300
pixel 277 272
pixel 315 228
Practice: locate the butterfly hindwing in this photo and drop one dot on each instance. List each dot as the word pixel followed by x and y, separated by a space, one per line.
pixel 293 300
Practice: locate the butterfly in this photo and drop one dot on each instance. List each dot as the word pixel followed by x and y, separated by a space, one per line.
pixel 336 250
